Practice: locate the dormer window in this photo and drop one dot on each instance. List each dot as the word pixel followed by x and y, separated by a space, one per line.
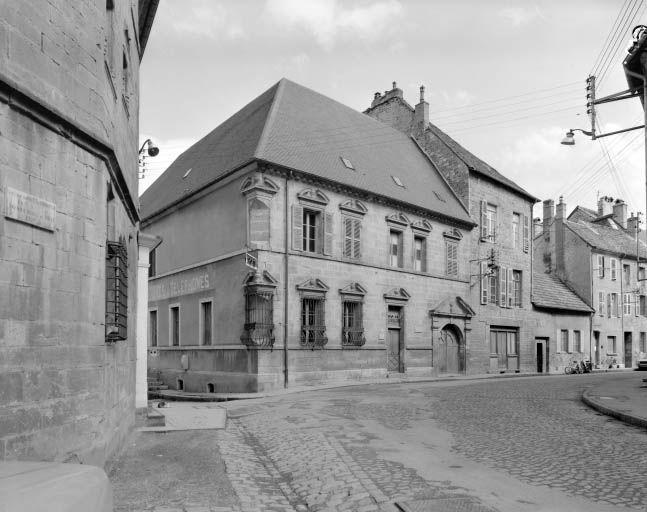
pixel 347 163
pixel 397 181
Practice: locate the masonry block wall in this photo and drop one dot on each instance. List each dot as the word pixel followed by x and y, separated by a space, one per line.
pixel 67 135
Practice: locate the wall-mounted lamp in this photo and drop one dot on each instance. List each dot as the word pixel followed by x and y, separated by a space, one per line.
pixel 153 150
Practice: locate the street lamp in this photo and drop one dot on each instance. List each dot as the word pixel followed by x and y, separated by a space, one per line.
pixel 569 140
pixel 153 150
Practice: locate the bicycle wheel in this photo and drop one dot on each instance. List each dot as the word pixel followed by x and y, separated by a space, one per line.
pixel 568 370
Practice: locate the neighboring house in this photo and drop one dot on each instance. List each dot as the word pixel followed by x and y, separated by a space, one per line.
pixel 500 258
pixel 562 324
pixel 599 256
pixel 361 250
pixel 69 106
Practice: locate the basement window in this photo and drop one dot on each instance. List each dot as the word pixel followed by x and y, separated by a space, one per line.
pixel 397 181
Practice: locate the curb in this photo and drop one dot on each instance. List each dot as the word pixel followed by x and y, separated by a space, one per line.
pixel 624 417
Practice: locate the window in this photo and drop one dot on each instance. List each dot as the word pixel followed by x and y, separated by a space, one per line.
pixel 504 343
pixel 614 304
pixel 563 345
pixel 516 231
pixel 643 341
pixel 452 258
pixel 352 328
pixel 600 266
pixel 493 288
pixel 577 341
pixel 641 273
pixel 313 325
pixel 174 325
pixel 205 322
pixel 152 328
pixel 258 215
pixel 311 226
pixel 352 241
pixel 516 279
pixel 488 221
pixel 626 273
pixel 152 263
pixel 614 269
pixel 395 248
pixel 642 305
pixel 626 303
pixel 116 291
pixel 611 345
pixel 420 254
pixel 259 310
pixel 601 303
pixel 125 75
pixel 397 181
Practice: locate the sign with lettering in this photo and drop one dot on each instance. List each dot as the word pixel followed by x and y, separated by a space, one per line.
pixel 30 209
pixel 176 286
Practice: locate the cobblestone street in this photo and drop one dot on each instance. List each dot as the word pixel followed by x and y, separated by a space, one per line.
pixel 521 444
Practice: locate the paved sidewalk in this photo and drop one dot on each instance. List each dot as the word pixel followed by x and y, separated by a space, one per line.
pixel 614 397
pixel 188 416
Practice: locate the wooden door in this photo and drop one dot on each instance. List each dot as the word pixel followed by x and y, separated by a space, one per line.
pixel 393 351
pixel 628 347
pixel 448 352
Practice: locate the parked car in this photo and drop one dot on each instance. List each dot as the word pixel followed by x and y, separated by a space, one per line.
pixel 642 363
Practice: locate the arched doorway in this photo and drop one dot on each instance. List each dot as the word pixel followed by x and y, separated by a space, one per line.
pixel 450 353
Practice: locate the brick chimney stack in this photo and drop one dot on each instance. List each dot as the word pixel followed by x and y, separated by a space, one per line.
pixel 605 206
pixel 620 213
pixel 560 234
pixel 421 113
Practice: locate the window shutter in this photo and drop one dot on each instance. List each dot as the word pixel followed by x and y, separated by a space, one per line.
pixel 297 227
pixel 423 257
pixel 636 305
pixel 608 305
pixel 614 269
pixel 328 231
pixel 348 237
pixel 571 335
pixel 484 283
pixel 510 288
pixel 526 233
pixel 357 244
pixel 484 220
pixel 601 266
pixel 503 287
pixel 601 303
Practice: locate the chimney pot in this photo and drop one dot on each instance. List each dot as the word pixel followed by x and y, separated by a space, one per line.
pixel 620 213
pixel 394 85
pixel 422 93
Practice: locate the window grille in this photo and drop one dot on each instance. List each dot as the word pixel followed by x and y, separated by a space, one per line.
pixel 116 291
pixel 313 326
pixel 259 318
pixel 353 329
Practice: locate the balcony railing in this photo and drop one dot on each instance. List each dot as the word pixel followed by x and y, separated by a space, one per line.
pixel 313 336
pixel 352 337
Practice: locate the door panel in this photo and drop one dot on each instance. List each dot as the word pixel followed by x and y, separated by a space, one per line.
pixel 393 351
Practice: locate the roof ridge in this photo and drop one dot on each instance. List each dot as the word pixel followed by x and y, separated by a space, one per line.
pixel 269 119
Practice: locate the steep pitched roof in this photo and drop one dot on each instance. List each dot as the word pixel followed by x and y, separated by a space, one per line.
pixel 603 236
pixel 445 151
pixel 294 127
pixel 551 293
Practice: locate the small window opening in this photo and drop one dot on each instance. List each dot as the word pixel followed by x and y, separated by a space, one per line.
pixel 211 388
pixel 397 181
pixel 347 163
pixel 180 385
pixel 187 173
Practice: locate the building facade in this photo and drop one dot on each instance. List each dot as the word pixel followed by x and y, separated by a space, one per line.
pixel 300 247
pixel 500 255
pixel 68 226
pixel 600 257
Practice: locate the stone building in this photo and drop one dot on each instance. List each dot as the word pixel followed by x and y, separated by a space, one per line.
pixel 69 87
pixel 357 250
pixel 599 256
pixel 500 255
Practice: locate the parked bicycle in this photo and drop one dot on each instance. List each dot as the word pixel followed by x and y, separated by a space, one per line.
pixel 573 367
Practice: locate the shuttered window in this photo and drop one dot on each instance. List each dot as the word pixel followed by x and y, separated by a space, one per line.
pixel 352 239
pixel 452 259
pixel 516 279
pixel 600 266
pixel 601 303
pixel 312 230
pixel 420 254
pixel 526 233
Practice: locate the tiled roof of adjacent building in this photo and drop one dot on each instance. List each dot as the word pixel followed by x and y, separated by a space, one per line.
pixel 551 293
pixel 297 128
pixel 444 151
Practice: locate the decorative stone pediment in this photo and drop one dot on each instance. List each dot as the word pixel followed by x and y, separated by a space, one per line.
pixel 399 219
pixel 422 227
pixel 316 286
pixel 260 279
pixel 397 294
pixel 452 306
pixel 354 290
pixel 454 234
pixel 259 184
pixel 353 206
pixel 311 195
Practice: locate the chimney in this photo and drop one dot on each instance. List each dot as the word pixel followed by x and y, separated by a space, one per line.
pixel 376 99
pixel 549 208
pixel 633 222
pixel 560 228
pixel 620 213
pixel 536 227
pixel 605 206
pixel 421 113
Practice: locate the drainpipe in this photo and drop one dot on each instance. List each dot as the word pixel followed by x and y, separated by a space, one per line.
pixel 285 286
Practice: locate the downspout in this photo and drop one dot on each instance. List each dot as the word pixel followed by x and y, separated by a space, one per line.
pixel 285 287
pixel 593 313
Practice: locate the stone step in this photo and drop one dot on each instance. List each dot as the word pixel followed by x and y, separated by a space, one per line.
pixel 155 418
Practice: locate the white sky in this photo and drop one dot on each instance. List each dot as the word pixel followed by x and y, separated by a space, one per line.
pixel 505 78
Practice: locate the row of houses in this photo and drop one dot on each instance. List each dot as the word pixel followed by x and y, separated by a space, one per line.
pixel 379 244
